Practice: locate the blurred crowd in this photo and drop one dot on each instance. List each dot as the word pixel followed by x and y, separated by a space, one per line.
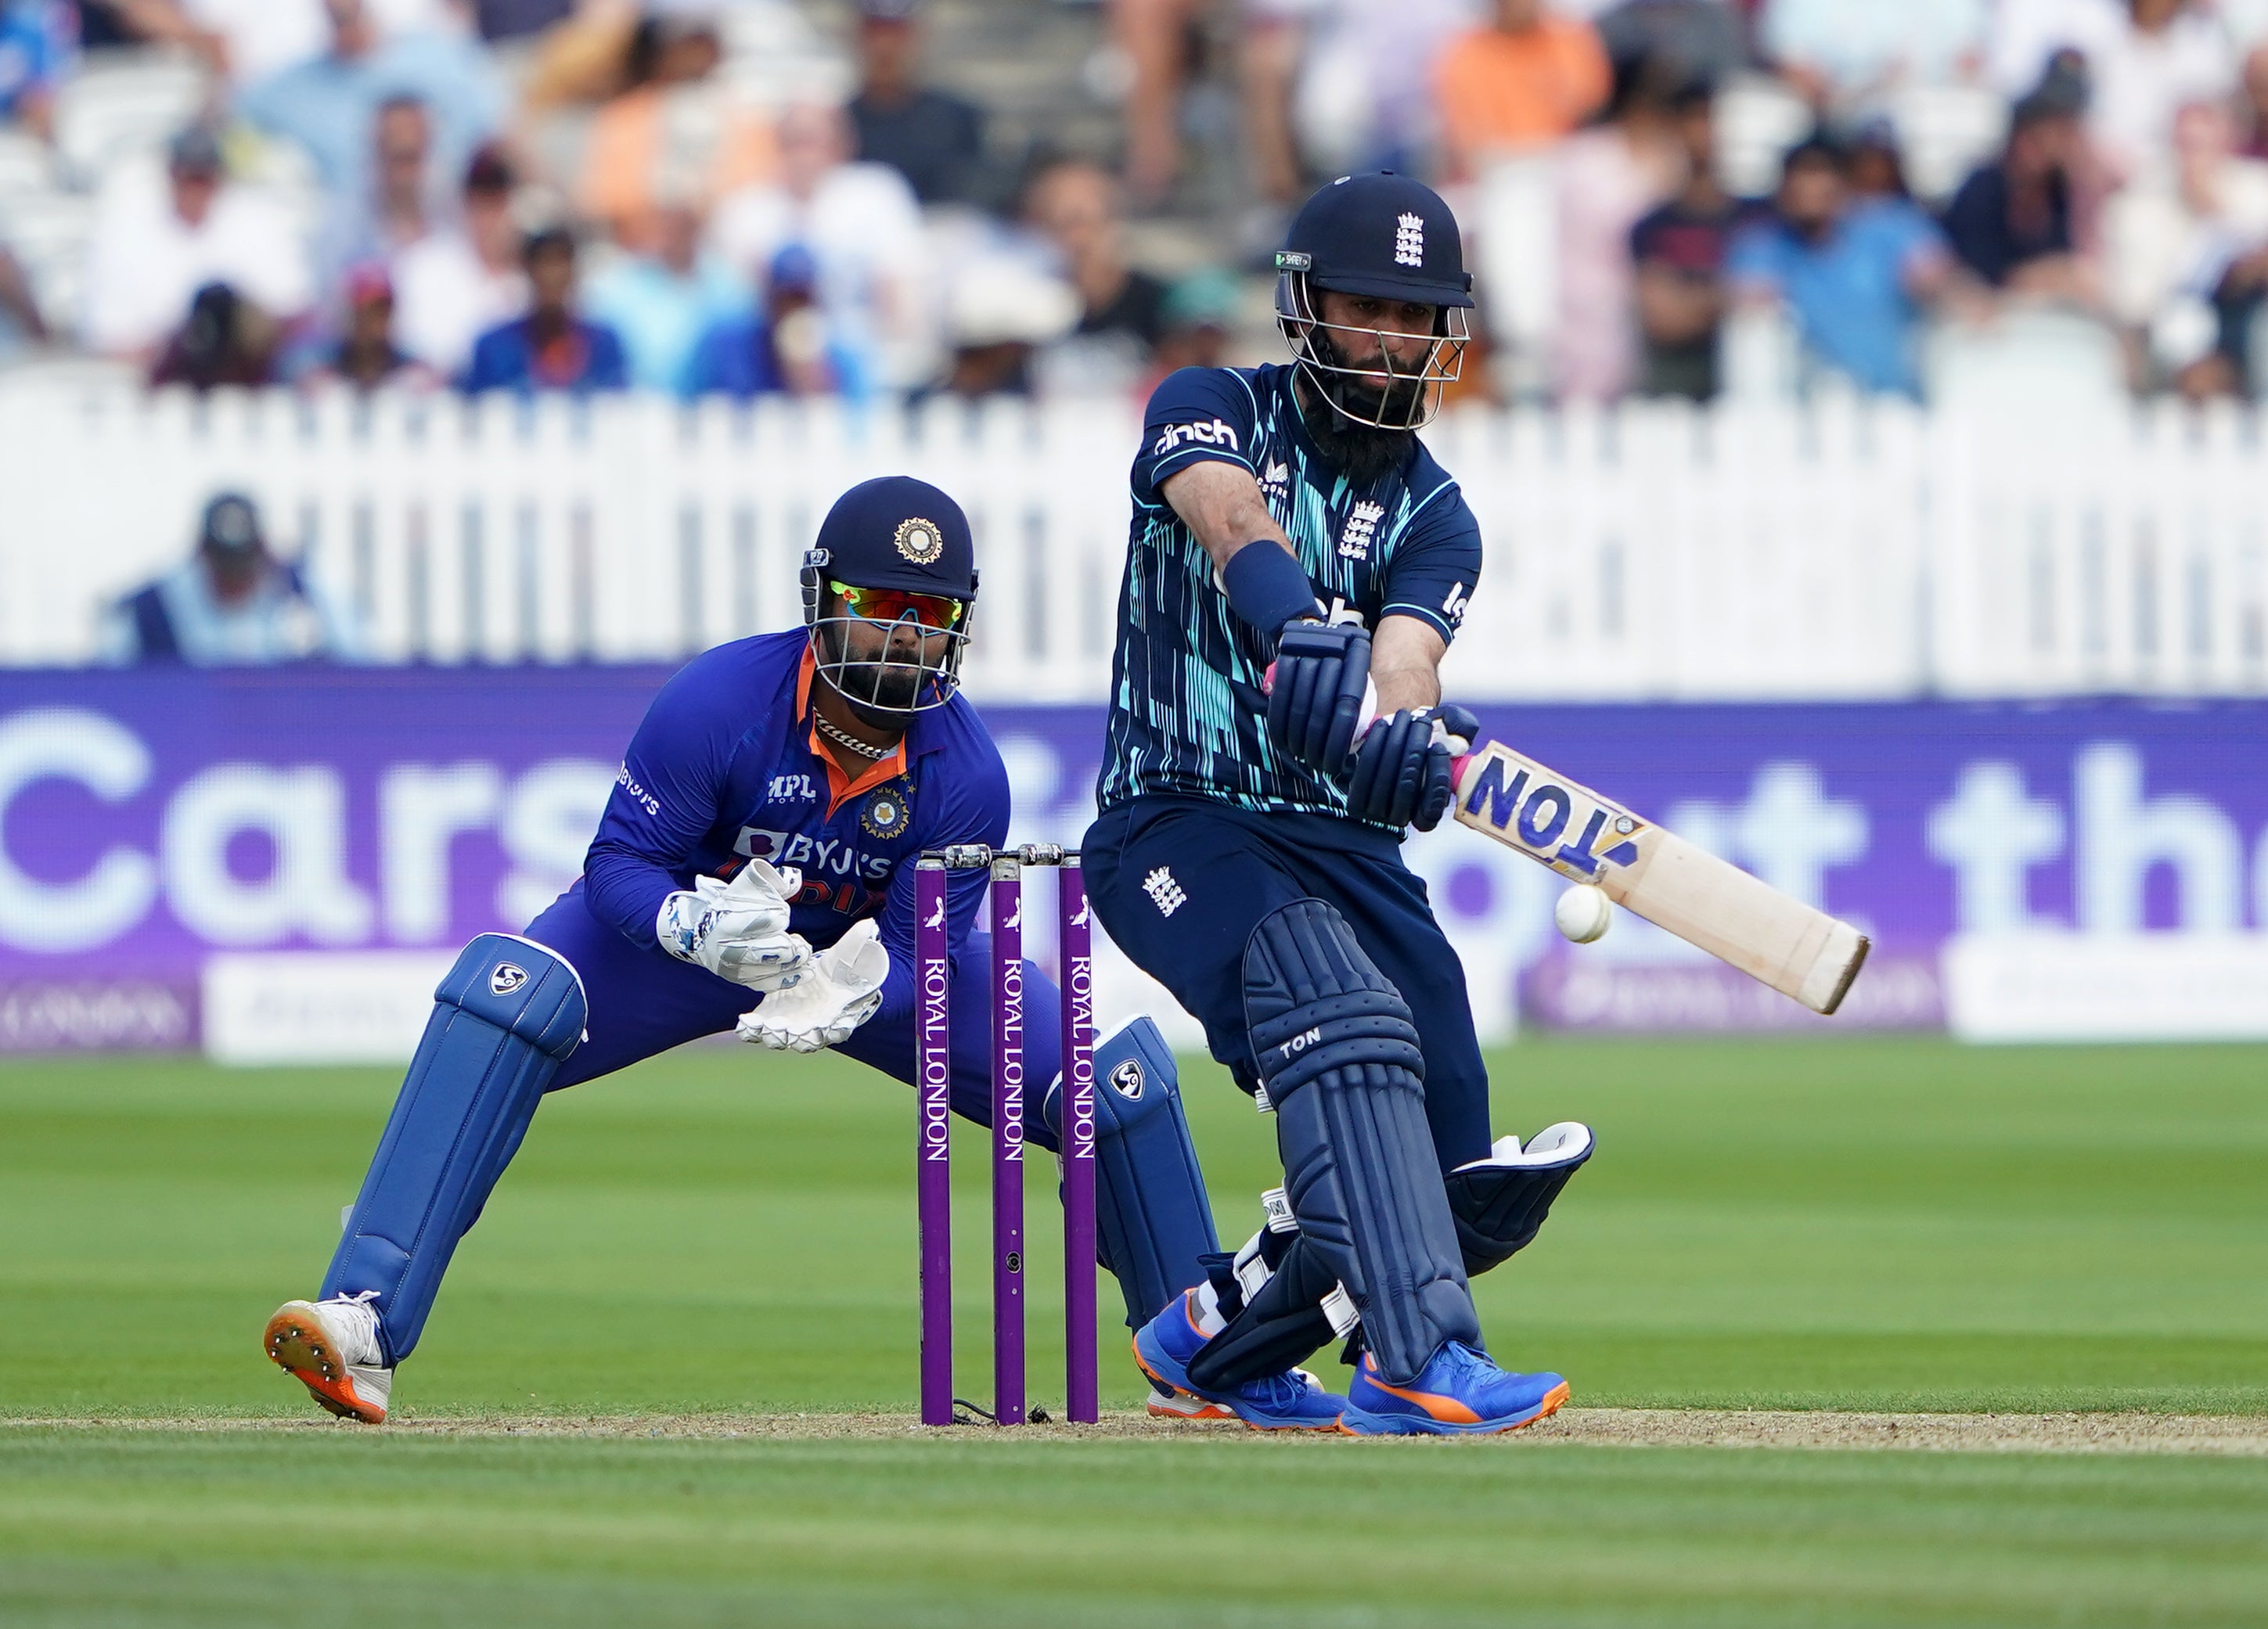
pixel 712 199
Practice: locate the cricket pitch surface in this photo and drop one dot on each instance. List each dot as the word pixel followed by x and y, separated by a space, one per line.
pixel 2239 1435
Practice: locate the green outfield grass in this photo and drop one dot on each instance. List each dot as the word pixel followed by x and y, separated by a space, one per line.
pixel 1900 1225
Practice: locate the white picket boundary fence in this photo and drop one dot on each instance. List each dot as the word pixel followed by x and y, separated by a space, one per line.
pixel 1845 550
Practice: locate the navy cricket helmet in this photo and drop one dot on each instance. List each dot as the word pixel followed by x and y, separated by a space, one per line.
pixel 1384 237
pixel 889 592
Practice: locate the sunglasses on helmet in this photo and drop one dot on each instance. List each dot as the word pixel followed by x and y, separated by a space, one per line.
pixel 942 611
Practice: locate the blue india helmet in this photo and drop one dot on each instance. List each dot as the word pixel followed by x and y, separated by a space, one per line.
pixel 1385 236
pixel 889 589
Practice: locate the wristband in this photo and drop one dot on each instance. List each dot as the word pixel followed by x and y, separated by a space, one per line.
pixel 1267 587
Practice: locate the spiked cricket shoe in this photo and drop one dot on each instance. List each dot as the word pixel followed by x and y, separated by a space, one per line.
pixel 1295 1400
pixel 1459 1393
pixel 334 1348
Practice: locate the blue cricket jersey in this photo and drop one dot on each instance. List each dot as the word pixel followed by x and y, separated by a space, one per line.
pixel 1187 712
pixel 723 769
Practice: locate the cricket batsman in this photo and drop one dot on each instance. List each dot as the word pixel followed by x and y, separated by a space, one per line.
pixel 1296 551
pixel 754 870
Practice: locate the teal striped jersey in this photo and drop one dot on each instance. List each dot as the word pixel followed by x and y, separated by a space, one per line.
pixel 1186 710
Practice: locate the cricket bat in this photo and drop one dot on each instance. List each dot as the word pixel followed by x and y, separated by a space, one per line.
pixel 1705 901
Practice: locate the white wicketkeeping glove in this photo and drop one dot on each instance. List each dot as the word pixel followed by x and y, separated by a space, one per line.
pixel 738 930
pixel 842 989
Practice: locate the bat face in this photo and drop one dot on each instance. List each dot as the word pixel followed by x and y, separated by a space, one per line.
pixel 1706 901
pixel 1569 827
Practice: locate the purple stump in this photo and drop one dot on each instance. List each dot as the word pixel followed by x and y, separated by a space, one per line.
pixel 934 1148
pixel 1082 1386
pixel 1008 1140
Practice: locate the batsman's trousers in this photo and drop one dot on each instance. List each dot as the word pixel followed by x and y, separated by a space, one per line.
pixel 1180 883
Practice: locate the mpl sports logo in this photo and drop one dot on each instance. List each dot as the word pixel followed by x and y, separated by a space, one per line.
pixel 1526 802
pixel 1217 433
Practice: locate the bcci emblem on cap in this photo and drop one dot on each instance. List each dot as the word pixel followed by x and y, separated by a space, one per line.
pixel 887 813
pixel 920 540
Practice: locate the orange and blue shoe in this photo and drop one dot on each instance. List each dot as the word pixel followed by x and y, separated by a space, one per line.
pixel 1295 1400
pixel 334 1348
pixel 1459 1393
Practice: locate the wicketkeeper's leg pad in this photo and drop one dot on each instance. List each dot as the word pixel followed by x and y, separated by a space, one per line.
pixel 1342 1066
pixel 505 1016
pixel 1499 1202
pixel 1153 1221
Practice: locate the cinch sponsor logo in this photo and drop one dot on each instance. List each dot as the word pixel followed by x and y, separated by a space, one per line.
pixel 1215 434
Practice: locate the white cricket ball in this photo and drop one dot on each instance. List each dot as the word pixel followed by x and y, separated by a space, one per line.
pixel 1583 913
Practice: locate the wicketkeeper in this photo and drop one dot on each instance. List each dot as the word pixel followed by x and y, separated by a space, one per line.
pixel 1288 521
pixel 754 870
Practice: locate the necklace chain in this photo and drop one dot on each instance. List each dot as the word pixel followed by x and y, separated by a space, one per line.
pixel 843 737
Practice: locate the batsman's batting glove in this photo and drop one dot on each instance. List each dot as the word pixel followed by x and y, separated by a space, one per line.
pixel 842 989
pixel 1455 729
pixel 738 930
pixel 1404 773
pixel 1316 693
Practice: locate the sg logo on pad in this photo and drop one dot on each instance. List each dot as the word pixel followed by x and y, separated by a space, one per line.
pixel 1126 1079
pixel 506 978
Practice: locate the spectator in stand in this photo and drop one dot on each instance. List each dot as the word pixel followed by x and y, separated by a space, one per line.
pixel 785 350
pixel 1876 167
pixel 1678 252
pixel 863 227
pixel 231 603
pixel 1857 277
pixel 662 302
pixel 365 357
pixel 1002 312
pixel 1850 55
pixel 677 119
pixel 22 324
pixel 1074 206
pixel 552 348
pixel 1154 39
pixel 452 286
pixel 933 139
pixel 1707 39
pixel 224 340
pixel 1200 322
pixel 2143 59
pixel 2168 53
pixel 329 103
pixel 2255 102
pixel 1521 83
pixel 153 246
pixel 2019 223
pixel 399 210
pixel 38 42
pixel 2171 245
pixel 1609 178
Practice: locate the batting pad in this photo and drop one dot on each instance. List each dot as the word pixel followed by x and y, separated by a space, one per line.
pixel 1499 1202
pixel 1340 1062
pixel 1153 1221
pixel 507 1016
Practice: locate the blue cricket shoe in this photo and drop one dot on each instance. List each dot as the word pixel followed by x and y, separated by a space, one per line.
pixel 1459 1393
pixel 1293 1401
